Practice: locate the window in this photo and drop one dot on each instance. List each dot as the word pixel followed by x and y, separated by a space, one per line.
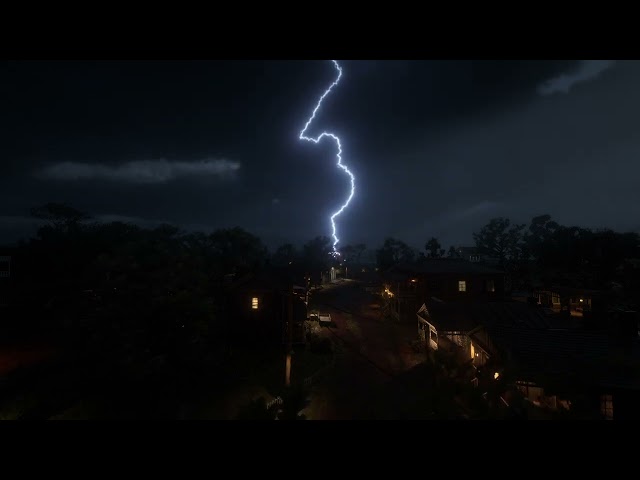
pixel 433 337
pixel 606 406
pixel 462 286
pixel 491 286
pixel 254 303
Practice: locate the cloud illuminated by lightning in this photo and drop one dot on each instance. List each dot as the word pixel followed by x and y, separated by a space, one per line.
pixel 338 155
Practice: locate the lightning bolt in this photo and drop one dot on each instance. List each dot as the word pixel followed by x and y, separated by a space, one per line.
pixel 338 155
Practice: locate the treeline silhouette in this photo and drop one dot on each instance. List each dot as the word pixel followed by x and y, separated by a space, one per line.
pixel 542 252
pixel 143 310
pixel 164 278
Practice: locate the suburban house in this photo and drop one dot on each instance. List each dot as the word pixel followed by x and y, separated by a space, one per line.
pixel 407 287
pixel 595 374
pixel 575 302
pixel 469 254
pixel 592 373
pixel 461 325
pixel 262 305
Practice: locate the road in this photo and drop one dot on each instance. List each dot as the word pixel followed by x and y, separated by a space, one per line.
pixel 372 350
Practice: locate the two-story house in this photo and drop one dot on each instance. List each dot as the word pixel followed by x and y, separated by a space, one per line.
pixel 407 287
pixel 263 306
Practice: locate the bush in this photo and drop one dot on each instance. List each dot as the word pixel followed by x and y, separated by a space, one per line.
pixel 319 344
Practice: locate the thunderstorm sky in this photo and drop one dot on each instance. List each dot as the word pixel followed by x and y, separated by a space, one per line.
pixel 438 147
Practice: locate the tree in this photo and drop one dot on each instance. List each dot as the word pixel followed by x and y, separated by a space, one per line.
pixel 353 253
pixel 61 217
pixel 359 249
pixel 540 235
pixel 452 253
pixel 433 248
pixel 236 250
pixel 258 409
pixel 393 252
pixel 316 255
pixel 348 253
pixel 294 400
pixel 500 239
pixel 285 255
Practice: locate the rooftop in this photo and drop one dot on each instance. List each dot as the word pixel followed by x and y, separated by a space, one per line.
pixel 466 317
pixel 445 266
pixel 269 278
pixel 591 358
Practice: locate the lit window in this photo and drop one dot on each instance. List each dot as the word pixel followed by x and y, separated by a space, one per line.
pixel 462 286
pixel 254 303
pixel 491 286
pixel 473 352
pixel 606 406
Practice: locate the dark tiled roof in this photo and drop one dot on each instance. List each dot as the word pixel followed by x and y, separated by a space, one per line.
pixel 444 265
pixel 588 358
pixel 466 317
pixel 450 317
pixel 271 278
pixel 571 290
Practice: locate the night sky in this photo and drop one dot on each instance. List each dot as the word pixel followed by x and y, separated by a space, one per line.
pixel 437 147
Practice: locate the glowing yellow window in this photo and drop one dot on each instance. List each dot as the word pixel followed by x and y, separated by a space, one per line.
pixel 254 303
pixel 462 286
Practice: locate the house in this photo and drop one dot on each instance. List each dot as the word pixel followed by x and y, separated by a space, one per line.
pixel 261 306
pixel 442 326
pixel 461 325
pixel 407 287
pixel 469 254
pixel 592 374
pixel 589 373
pixel 585 307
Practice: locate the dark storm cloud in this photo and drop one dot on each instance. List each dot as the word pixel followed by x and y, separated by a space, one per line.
pixel 588 70
pixel 391 102
pixel 144 171
pixel 437 147
pixel 573 156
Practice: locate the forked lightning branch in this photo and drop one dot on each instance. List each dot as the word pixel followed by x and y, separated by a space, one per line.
pixel 334 137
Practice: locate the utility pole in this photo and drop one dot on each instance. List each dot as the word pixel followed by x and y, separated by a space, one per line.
pixel 287 379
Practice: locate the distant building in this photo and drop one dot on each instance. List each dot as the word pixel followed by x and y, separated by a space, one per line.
pixel 261 305
pixel 469 254
pixel 407 287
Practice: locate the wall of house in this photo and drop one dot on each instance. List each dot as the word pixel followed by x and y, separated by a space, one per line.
pixel 460 339
pixel 263 322
pixel 480 346
pixel 447 287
